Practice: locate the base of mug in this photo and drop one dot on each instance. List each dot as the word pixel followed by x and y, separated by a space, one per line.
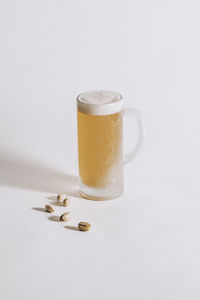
pixel 100 194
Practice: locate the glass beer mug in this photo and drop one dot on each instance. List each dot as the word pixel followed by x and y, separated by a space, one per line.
pixel 100 143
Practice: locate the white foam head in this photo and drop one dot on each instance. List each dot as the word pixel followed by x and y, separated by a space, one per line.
pixel 99 102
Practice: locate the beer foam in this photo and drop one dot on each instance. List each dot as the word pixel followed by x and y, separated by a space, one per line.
pixel 99 102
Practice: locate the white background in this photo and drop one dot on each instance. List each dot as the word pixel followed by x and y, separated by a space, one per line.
pixel 145 245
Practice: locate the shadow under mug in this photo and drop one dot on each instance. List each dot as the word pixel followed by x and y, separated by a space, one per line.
pixel 100 143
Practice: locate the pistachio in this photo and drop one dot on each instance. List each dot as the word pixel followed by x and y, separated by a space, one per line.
pixel 61 197
pixel 66 202
pixel 65 217
pixel 84 226
pixel 49 208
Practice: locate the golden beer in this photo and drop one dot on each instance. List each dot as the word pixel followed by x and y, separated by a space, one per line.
pixel 99 149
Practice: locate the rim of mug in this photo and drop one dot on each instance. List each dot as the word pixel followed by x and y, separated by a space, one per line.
pixel 99 108
pixel 99 104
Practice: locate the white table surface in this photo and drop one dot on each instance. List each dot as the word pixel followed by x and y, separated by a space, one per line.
pixel 146 244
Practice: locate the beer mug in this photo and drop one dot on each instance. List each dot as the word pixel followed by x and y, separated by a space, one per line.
pixel 100 143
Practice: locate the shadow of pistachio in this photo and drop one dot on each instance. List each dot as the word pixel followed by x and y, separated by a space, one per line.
pixel 54 218
pixel 72 228
pixel 39 209
pixel 57 203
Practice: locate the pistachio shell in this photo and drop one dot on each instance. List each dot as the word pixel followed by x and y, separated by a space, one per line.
pixel 84 226
pixel 66 202
pixel 65 217
pixel 49 208
pixel 61 197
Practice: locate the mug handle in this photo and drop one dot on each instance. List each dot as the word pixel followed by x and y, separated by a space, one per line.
pixel 133 153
